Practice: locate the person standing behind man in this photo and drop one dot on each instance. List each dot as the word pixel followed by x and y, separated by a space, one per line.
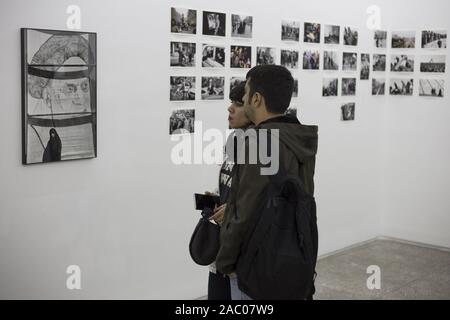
pixel 219 284
pixel 268 93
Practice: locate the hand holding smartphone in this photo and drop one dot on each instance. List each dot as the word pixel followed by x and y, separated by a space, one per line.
pixel 203 201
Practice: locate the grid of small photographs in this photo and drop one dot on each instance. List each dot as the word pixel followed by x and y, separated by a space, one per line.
pixel 242 55
pixel 431 63
pixel 213 57
pixel 346 60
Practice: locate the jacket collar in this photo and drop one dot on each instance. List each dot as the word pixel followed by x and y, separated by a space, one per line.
pixel 282 119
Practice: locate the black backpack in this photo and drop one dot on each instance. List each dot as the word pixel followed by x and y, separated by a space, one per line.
pixel 278 257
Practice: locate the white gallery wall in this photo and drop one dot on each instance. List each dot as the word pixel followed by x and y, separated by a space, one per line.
pixel 126 217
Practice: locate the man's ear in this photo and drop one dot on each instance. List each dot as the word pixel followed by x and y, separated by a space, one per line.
pixel 257 99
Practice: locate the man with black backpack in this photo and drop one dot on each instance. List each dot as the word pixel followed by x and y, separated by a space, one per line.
pixel 269 234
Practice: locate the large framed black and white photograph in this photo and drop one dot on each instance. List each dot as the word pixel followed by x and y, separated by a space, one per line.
pixel 59 95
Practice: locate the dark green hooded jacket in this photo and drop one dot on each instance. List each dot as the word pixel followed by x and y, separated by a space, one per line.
pixel 297 150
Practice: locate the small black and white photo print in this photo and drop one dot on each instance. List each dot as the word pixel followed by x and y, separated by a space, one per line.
pixel 241 57
pixel 241 26
pixel 182 122
pixel 295 90
pixel 311 60
pixel 330 87
pixel 182 88
pixel 312 32
pixel 350 36
pixel 431 88
pixel 330 60
pixel 349 61
pixel 380 39
pixel 434 39
pixel 402 63
pixel 365 66
pixel 213 56
pixel 401 87
pixel 379 62
pixel 265 55
pixel 348 86
pixel 403 39
pixel 183 21
pixel 432 63
pixel 378 87
pixel 332 34
pixel 214 23
pixel 289 59
pixel 290 30
pixel 213 88
pixel 348 112
pixel 182 54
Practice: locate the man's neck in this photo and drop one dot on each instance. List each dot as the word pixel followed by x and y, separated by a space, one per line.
pixel 267 117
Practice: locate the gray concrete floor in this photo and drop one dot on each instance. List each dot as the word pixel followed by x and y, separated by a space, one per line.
pixel 407 272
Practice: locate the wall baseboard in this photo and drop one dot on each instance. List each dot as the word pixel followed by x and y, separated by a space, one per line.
pixel 384 238
pixel 414 243
pixel 340 251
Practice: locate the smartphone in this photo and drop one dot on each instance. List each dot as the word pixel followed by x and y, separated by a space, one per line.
pixel 203 201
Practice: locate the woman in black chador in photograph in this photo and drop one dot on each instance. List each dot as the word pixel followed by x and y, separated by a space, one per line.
pixel 53 150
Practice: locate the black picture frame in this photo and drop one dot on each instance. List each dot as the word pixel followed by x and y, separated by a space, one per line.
pixel 59 91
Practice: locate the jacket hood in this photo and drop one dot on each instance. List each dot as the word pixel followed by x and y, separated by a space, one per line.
pixel 301 139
